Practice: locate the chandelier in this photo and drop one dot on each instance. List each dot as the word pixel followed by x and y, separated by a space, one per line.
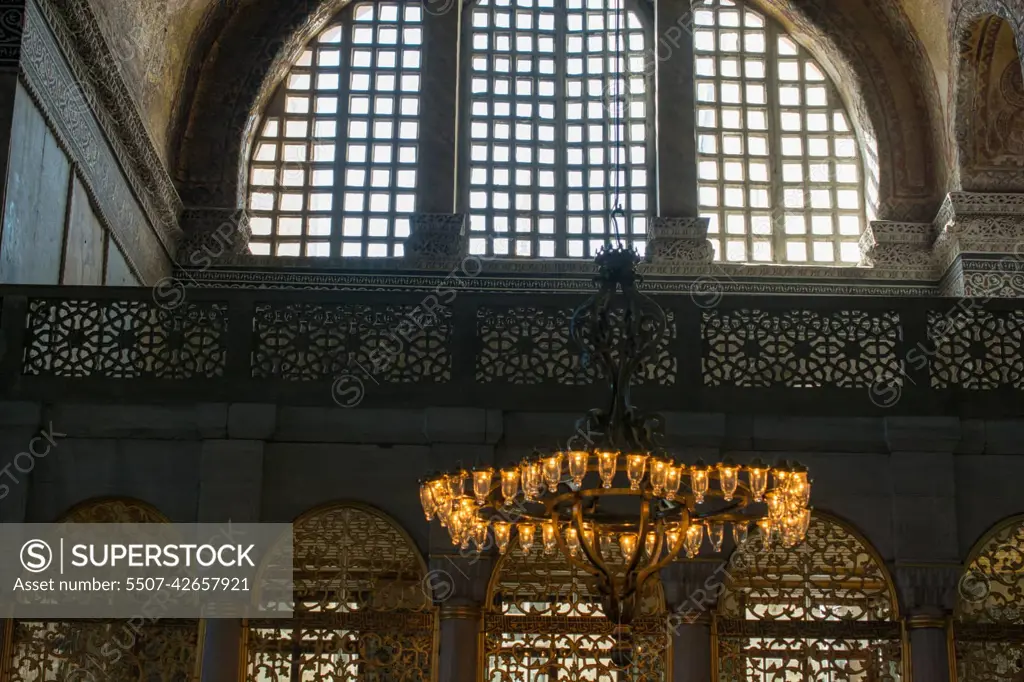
pixel 619 507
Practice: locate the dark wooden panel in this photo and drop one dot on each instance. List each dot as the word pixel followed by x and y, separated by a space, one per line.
pixel 36 199
pixel 118 272
pixel 83 253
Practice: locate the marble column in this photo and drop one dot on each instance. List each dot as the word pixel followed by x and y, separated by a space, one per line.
pixel 458 584
pixel 677 144
pixel 230 488
pixel 929 647
pixel 691 650
pixel 458 657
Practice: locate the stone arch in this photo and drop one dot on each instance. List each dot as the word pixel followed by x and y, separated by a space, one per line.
pixel 827 604
pixel 360 602
pixel 987 116
pixel 990 600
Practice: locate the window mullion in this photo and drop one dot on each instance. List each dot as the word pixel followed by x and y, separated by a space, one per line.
pixel 342 132
pixel 778 211
pixel 561 150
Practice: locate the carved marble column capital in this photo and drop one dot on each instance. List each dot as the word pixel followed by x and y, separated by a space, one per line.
pixel 901 247
pixel 692 588
pixel 979 244
pixel 677 241
pixel 213 234
pixel 927 591
pixel 457 582
pixel 437 239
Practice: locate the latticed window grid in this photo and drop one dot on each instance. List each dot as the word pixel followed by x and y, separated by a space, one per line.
pixel 780 174
pixel 333 171
pixel 545 154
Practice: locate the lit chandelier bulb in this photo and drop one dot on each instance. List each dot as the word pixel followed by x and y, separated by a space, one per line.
pixel 635 465
pixel 673 536
pixel 740 532
pixel 572 541
pixel 672 481
pixel 606 540
pixel 456 484
pixel 627 543
pixel 526 533
pixel 728 478
pixel 776 505
pixel 482 484
pixel 659 475
pixel 427 501
pixel 578 465
pixel 606 462
pixel 694 537
pixel 480 535
pixel 765 526
pixel 758 473
pixel 509 485
pixel 553 471
pixel 716 534
pixel 805 523
pixel 549 536
pixel 651 543
pixel 502 535
pixel 699 480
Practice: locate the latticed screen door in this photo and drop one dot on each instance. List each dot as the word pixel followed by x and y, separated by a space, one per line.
pixel 989 625
pixel 543 624
pixel 546 85
pixel 821 611
pixel 361 613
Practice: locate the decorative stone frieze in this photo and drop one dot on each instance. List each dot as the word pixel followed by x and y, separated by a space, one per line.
pixel 900 247
pixel 678 241
pixel 979 246
pixel 214 234
pixel 436 238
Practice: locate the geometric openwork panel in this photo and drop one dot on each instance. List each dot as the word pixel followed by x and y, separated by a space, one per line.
pixel 390 343
pixel 989 624
pixel 801 348
pixel 164 650
pixel 112 339
pixel 547 81
pixel 822 610
pixel 527 346
pixel 333 169
pixel 361 612
pixel 544 622
pixel 978 350
pixel 780 174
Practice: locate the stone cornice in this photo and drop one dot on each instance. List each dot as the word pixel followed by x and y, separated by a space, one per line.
pixel 105 93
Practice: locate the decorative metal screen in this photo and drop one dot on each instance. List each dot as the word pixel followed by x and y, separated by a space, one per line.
pixel 545 80
pixel 361 611
pixel 333 171
pixel 544 623
pixel 780 174
pixel 164 650
pixel 989 624
pixel 822 611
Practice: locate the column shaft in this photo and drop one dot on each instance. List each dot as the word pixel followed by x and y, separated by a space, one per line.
pixel 929 652
pixel 458 658
pixel 691 652
pixel 677 143
pixel 439 106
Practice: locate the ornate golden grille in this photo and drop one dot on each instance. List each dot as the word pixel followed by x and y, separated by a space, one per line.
pixel 361 610
pixel 77 651
pixel 543 623
pixel 989 625
pixel 821 611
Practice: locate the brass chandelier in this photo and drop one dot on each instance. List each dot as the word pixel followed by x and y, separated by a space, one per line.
pixel 621 508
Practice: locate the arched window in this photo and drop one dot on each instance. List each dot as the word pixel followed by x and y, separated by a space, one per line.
pixel 823 610
pixel 63 651
pixel 544 622
pixel 988 627
pixel 780 173
pixel 544 154
pixel 333 169
pixel 360 610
